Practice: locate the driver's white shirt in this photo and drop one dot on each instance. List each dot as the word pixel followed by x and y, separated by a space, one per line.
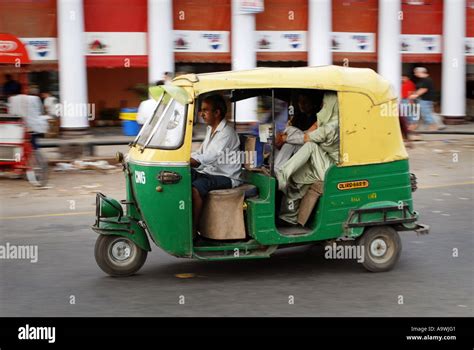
pixel 216 151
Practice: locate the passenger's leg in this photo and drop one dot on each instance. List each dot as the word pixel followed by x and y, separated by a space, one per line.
pixel 291 202
pixel 300 182
pixel 283 155
pixel 315 168
pixel 291 166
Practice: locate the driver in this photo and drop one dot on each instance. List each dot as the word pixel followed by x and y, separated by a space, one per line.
pixel 209 170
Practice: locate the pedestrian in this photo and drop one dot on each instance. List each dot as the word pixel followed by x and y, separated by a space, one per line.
pixel 147 107
pixel 29 107
pixel 407 112
pixel 424 95
pixel 50 104
pixel 167 77
pixel 11 86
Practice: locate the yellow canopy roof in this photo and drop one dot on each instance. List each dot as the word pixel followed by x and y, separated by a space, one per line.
pixel 337 78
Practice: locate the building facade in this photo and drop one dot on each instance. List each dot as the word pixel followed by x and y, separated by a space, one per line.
pixel 105 51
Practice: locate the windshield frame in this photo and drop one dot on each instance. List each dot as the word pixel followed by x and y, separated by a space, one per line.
pixel 146 144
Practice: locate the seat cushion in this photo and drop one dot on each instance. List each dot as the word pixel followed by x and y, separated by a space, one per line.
pixel 248 189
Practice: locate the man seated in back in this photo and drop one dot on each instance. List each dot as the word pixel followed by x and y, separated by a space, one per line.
pixel 209 170
pixel 291 140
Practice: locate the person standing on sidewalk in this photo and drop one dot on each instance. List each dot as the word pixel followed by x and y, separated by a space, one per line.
pixel 406 115
pixel 424 94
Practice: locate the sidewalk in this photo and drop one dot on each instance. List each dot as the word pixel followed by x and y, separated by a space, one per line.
pixel 467 128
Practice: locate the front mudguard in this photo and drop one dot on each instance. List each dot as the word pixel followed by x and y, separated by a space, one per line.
pixel 111 221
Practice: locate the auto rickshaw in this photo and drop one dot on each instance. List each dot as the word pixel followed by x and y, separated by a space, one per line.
pixel 367 196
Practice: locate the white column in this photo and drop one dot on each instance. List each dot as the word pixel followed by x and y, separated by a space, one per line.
pixel 160 39
pixel 72 64
pixel 453 89
pixel 319 32
pixel 244 55
pixel 389 57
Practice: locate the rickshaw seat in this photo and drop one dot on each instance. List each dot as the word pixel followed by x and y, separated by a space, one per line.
pixel 222 216
pixel 248 190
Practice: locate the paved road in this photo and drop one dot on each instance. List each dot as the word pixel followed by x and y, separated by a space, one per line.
pixel 431 281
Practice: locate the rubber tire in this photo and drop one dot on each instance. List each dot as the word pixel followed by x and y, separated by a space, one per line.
pixel 391 237
pixel 106 261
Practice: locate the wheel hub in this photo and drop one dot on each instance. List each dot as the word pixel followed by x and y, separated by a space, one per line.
pixel 378 247
pixel 121 250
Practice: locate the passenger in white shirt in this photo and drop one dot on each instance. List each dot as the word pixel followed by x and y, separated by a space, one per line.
pixel 147 107
pixel 30 108
pixel 211 168
pixel 146 110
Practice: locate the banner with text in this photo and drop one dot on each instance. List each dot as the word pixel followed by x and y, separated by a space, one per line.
pixel 201 41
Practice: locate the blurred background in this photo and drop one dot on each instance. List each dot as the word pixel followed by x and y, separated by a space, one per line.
pixel 106 52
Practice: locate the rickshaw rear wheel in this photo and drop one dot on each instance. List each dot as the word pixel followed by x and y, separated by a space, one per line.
pixel 118 256
pixel 382 248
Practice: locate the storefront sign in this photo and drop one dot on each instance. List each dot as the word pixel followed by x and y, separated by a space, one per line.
pixel 469 46
pixel 420 44
pixel 12 50
pixel 115 43
pixel 353 42
pixel 281 41
pixel 41 49
pixel 251 6
pixel 201 41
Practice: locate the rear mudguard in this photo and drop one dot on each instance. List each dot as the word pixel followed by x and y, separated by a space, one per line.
pixel 380 213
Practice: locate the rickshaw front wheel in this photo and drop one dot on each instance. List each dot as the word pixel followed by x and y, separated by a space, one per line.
pixel 381 248
pixel 118 256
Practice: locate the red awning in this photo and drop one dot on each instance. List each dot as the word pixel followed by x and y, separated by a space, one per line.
pixel 12 50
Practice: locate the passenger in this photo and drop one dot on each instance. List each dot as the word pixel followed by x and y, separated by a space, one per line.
pixel 309 164
pixel 208 171
pixel 291 140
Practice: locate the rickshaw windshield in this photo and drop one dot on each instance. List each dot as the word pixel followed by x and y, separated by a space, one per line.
pixel 165 129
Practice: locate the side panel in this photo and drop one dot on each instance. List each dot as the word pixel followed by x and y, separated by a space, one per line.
pixel 385 182
pixel 168 213
pixel 369 134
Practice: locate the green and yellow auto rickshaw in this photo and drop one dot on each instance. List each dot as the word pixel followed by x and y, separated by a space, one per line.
pixel 367 194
